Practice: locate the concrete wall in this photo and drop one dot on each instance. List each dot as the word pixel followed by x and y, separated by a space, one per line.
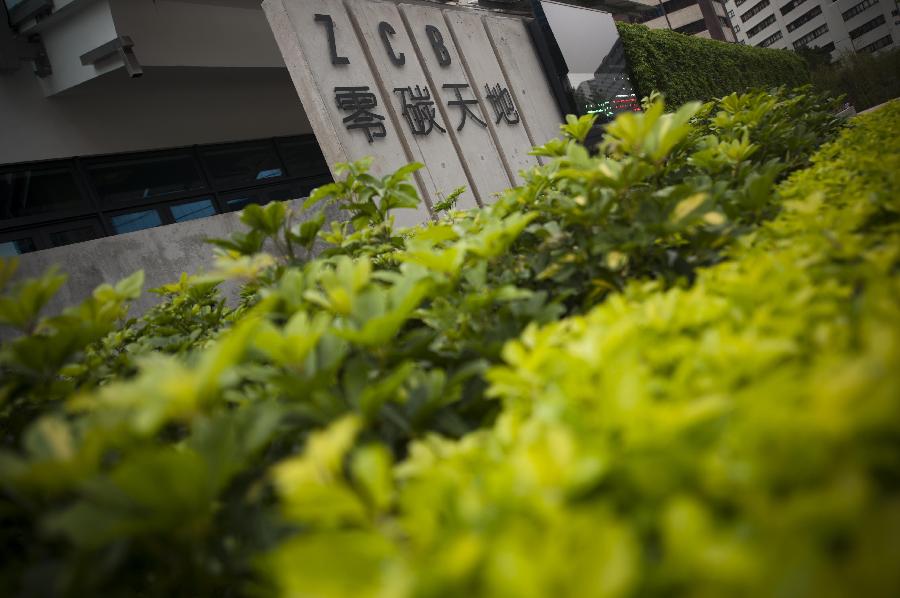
pixel 461 50
pixel 220 33
pixel 209 33
pixel 163 253
pixel 678 18
pixel 167 107
pixel 65 40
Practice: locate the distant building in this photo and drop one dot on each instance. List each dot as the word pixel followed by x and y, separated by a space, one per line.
pixel 839 26
pixel 609 91
pixel 703 18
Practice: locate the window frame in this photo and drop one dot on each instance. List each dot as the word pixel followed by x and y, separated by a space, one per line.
pixel 90 205
pixel 138 157
pixel 40 235
pixel 36 227
pixel 805 18
pixel 202 156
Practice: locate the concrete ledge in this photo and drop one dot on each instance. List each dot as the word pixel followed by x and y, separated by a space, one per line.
pixel 163 253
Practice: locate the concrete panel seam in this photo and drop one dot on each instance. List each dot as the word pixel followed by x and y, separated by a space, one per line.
pixel 395 119
pixel 509 84
pixel 444 113
pixel 302 75
pixel 477 91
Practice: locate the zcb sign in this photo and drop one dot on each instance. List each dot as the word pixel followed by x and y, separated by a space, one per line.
pixel 458 90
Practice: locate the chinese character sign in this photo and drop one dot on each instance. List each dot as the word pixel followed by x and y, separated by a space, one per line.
pixel 359 101
pixel 419 110
pixel 502 103
pixel 408 83
pixel 464 105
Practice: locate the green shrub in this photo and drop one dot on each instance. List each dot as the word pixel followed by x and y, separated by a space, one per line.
pixel 575 391
pixel 739 437
pixel 865 79
pixel 686 68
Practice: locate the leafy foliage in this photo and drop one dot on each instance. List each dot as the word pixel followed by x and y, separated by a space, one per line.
pixel 865 79
pixel 686 68
pixel 631 375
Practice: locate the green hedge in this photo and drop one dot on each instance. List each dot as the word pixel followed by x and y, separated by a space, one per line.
pixel 641 373
pixel 686 68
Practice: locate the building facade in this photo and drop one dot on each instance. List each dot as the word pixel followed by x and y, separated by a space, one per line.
pixel 139 114
pixel 703 18
pixel 118 116
pixel 838 26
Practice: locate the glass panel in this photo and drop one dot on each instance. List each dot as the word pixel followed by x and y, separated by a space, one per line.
pixel 17 247
pixel 136 181
pixel 281 194
pixel 32 192
pixel 126 223
pixel 247 163
pixel 594 56
pixel 193 210
pixel 302 157
pixel 304 188
pixel 74 235
pixel 239 199
pixel 239 203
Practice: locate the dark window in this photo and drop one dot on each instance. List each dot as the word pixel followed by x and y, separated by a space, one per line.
pixel 770 40
pixel 302 157
pixel 692 28
pixel 761 25
pixel 16 247
pixel 240 165
pixel 818 31
pixel 134 221
pixel 804 18
pixel 754 10
pixel 74 233
pixel 739 2
pixel 142 180
pixel 40 191
pixel 790 6
pixel 303 188
pixel 140 191
pixel 239 199
pixel 198 208
pixel 878 44
pixel 858 8
pixel 867 27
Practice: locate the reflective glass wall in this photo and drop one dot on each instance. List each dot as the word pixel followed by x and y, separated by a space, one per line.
pixel 59 202
pixel 583 47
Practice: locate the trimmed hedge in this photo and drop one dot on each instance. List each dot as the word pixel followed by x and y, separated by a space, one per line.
pixel 644 372
pixel 685 68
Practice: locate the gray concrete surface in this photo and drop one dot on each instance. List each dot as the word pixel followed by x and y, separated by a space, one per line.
pixel 163 253
pixel 440 48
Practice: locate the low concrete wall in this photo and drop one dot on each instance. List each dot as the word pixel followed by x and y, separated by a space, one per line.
pixel 163 253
